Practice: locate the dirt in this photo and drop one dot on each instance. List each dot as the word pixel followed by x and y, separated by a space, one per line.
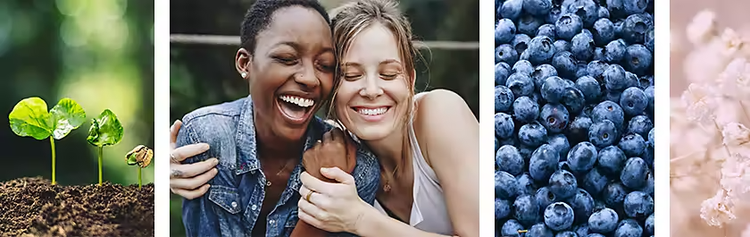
pixel 34 207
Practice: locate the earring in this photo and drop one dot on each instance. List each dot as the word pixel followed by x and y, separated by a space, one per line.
pixel 243 74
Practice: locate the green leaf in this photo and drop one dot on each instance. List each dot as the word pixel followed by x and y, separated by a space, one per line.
pixel 30 118
pixel 105 130
pixel 67 115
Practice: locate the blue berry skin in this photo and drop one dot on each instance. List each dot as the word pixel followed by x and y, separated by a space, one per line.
pixel 603 12
pixel 520 42
pixel 507 141
pixel 619 25
pixel 502 71
pixel 565 64
pixel 635 6
pixel 649 38
pixel 540 230
pixel 641 125
pixel 526 153
pixel 645 81
pixel 526 210
pixel 595 235
pixel 506 53
pixel 506 186
pixel 521 84
pixel 590 88
pixel 558 216
pixel 554 14
pixel 614 51
pixel 614 194
pixel 502 208
pixel 635 27
pixel 552 89
pixel 628 228
pixel 525 110
pixel 547 30
pixel 608 110
pixel 511 9
pixel 651 136
pixel 614 78
pixel 638 59
pixel 612 96
pixel 544 196
pixel 560 143
pixel 540 51
pixel 566 234
pixel 508 159
pixel 523 67
pixel 582 204
pixel 586 9
pixel 582 157
pixel 528 24
pixel 616 8
pixel 599 54
pixel 532 134
pixel 504 125
pixel 578 130
pixel 635 173
pixel 582 46
pixel 568 25
pixel 638 205
pixel 527 184
pixel 554 117
pixel 650 96
pixel 632 144
pixel 562 46
pixel 511 228
pixel 649 224
pixel 563 184
pixel 505 29
pixel 603 31
pixel 596 69
pixel 541 73
pixel 537 7
pixel 582 70
pixel 603 221
pixel 582 230
pixel 594 182
pixel 503 99
pixel 603 133
pixel 611 160
pixel 573 99
pixel 543 163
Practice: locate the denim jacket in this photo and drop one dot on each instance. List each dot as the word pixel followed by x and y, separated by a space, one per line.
pixel 233 202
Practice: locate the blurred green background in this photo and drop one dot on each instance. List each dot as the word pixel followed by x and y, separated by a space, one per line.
pixel 98 53
pixel 203 74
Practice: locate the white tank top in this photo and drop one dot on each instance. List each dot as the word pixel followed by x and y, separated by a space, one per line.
pixel 428 211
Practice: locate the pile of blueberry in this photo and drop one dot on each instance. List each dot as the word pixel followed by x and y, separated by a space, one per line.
pixel 574 112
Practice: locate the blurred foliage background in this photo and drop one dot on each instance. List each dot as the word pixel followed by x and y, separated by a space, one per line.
pixel 204 74
pixel 98 53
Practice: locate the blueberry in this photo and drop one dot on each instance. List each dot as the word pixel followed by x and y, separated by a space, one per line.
pixel 628 228
pixel 541 73
pixel 608 110
pixel 603 12
pixel 508 159
pixel 645 81
pixel 582 46
pixel 603 221
pixel 586 9
pixel 582 157
pixel 544 196
pixel 563 184
pixel 565 64
pixel 603 31
pixel 566 234
pixel 502 208
pixel 635 6
pixel 583 229
pixel 582 70
pixel 528 24
pixel 506 53
pixel 526 183
pixel 635 27
pixel 503 125
pixel 502 71
pixel 560 143
pixel 651 136
pixel 614 78
pixel 562 46
pixel 524 67
pixel 614 51
pixel 613 194
pixel 635 173
pixel 558 216
pixel 582 204
pixel 541 50
pixel 547 30
pixel 568 25
pixel 552 89
pixel 511 9
pixel 649 40
pixel 619 28
pixel 526 210
pixel 599 54
pixel 578 130
pixel 616 8
pixel 632 144
pixel 649 224
pixel 503 99
pixel 603 133
pixel 543 163
pixel 595 235
pixel 537 7
pixel 589 87
pixel 612 95
pixel 540 230
pixel 521 84
pixel 525 110
pixel 504 31
pixel 611 160
pixel 512 228
pixel 573 99
pixel 650 96
pixel 520 42
pixel 638 205
pixel 553 15
pixel 532 134
pixel 506 186
pixel 594 182
pixel 637 59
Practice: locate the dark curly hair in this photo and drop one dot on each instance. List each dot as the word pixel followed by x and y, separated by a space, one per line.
pixel 258 17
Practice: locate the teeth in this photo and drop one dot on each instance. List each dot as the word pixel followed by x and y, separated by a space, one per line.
pixel 377 111
pixel 299 101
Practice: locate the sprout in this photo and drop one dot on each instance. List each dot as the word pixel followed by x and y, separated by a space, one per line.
pixel 140 156
pixel 30 118
pixel 105 130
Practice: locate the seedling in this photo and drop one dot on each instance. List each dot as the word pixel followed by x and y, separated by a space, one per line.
pixel 105 130
pixel 140 156
pixel 30 118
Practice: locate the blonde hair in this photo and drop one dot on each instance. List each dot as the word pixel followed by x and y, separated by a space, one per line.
pixel 352 18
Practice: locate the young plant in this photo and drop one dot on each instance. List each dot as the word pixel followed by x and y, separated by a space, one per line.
pixel 105 130
pixel 30 118
pixel 140 156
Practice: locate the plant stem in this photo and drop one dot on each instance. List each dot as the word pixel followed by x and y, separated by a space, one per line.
pixel 52 144
pixel 101 151
pixel 139 177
